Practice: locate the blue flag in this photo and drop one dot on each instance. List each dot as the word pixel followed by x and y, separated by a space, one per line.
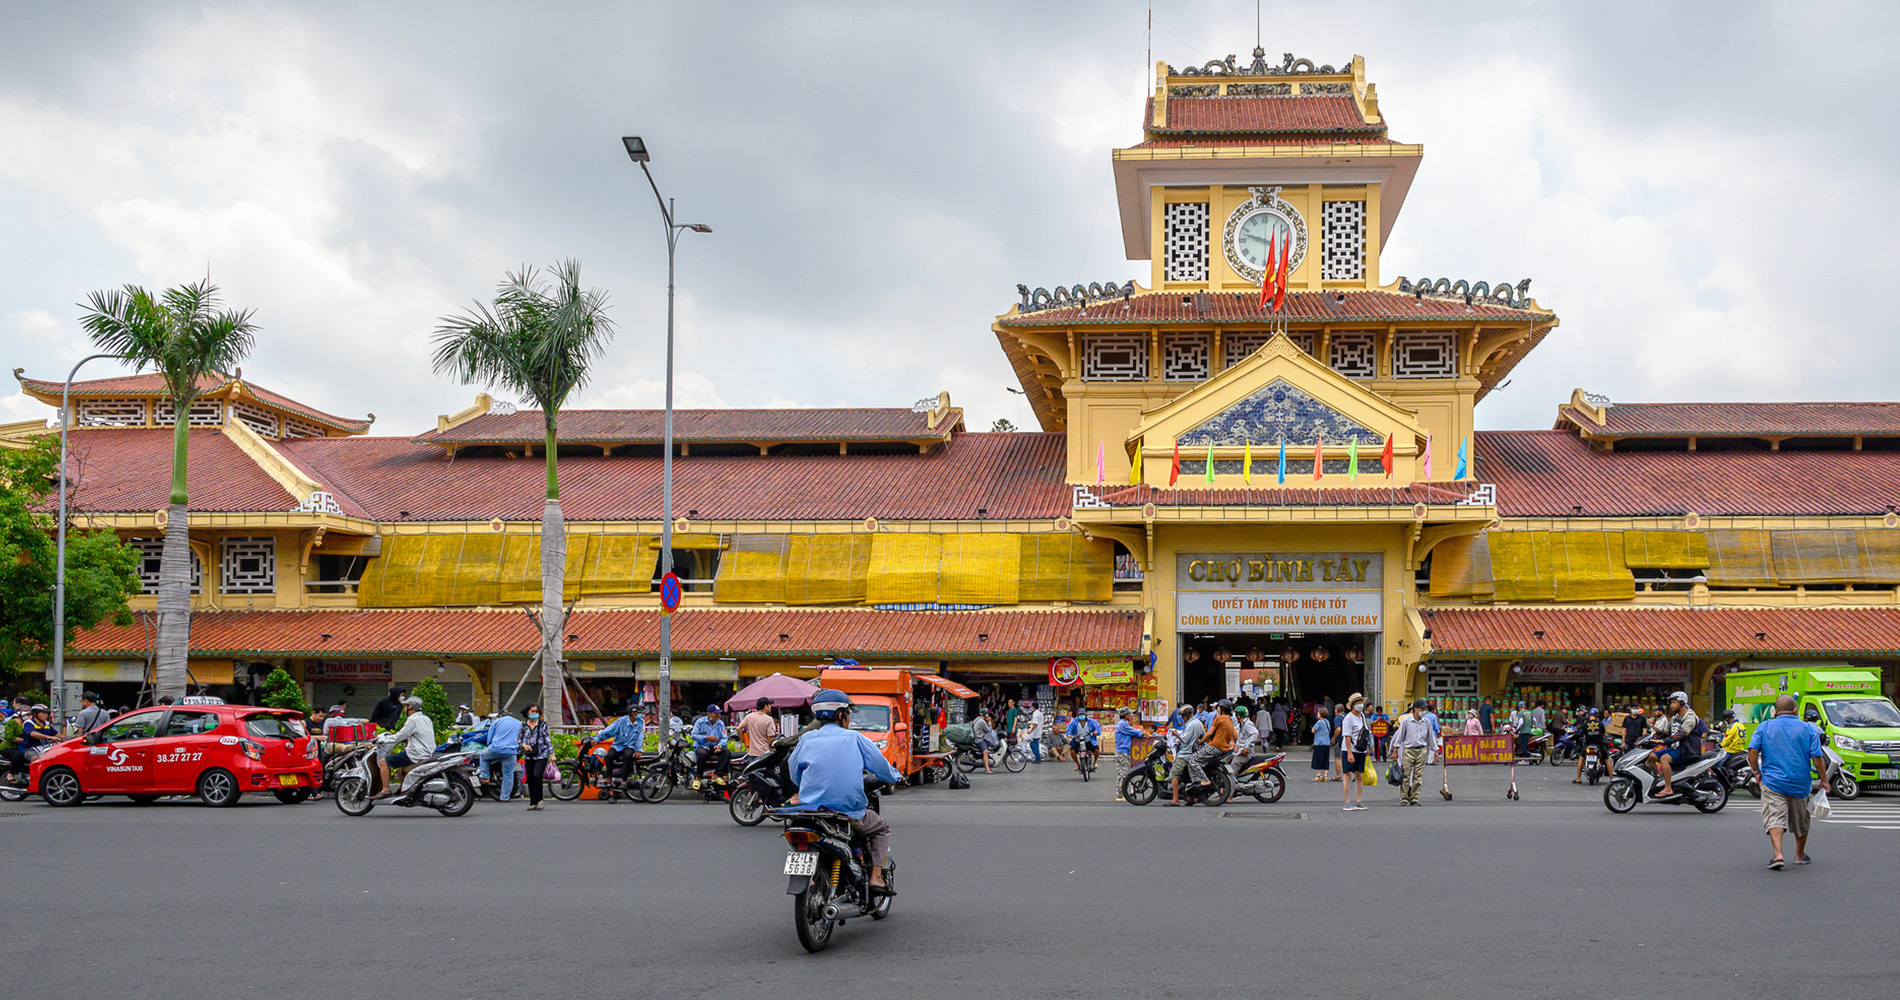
pixel 1283 461
pixel 1460 474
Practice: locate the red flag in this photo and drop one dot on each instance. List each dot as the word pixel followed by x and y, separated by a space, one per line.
pixel 1174 472
pixel 1385 457
pixel 1279 282
pixel 1319 456
pixel 1267 276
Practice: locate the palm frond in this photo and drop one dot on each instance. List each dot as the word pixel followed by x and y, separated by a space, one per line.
pixel 539 338
pixel 182 333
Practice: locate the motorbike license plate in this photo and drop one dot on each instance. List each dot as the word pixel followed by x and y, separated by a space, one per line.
pixel 286 779
pixel 801 863
pixel 1887 774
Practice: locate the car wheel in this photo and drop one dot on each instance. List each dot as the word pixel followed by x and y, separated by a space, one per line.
pixel 291 796
pixel 59 786
pixel 218 787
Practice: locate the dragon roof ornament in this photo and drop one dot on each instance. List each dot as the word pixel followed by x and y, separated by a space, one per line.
pixel 1231 66
pixel 1075 296
pixel 1516 296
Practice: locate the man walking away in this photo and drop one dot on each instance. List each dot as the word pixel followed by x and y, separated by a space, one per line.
pixel 1279 723
pixel 91 716
pixel 1413 742
pixel 387 714
pixel 758 727
pixel 1126 730
pixel 504 745
pixel 1783 750
pixel 1485 711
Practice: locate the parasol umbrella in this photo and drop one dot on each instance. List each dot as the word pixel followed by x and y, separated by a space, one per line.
pixel 785 692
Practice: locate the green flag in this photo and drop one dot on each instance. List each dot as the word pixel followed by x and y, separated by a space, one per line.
pixel 1352 458
pixel 1210 461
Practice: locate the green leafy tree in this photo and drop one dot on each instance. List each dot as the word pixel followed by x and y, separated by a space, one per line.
pixel 435 705
pixel 185 335
pixel 100 571
pixel 539 339
pixel 280 691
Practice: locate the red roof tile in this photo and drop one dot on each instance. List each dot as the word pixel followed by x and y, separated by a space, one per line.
pixel 1328 139
pixel 1741 420
pixel 1370 495
pixel 152 384
pixel 1665 631
pixel 1230 115
pixel 129 470
pixel 1244 307
pixel 635 633
pixel 646 426
pixel 1547 473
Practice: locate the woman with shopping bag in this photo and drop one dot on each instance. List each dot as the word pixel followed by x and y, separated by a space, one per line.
pixel 537 754
pixel 1355 753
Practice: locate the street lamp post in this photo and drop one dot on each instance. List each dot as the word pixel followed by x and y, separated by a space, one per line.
pixel 58 694
pixel 637 152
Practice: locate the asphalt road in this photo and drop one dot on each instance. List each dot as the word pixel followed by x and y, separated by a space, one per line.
pixel 1025 886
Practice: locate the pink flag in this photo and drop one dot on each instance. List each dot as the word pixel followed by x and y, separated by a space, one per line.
pixel 1101 464
pixel 1425 468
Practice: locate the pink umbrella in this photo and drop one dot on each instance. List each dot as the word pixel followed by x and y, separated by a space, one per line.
pixel 785 692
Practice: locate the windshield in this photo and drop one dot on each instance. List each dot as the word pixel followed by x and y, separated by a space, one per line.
pixel 283 726
pixel 871 718
pixel 1862 713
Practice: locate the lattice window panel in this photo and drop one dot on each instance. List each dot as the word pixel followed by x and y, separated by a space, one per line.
pixel 1186 357
pixel 110 413
pixel 1186 244
pixel 294 428
pixel 1235 345
pixel 248 565
pixel 1457 678
pixel 1425 354
pixel 1354 355
pixel 202 414
pixel 1343 237
pixel 256 418
pixel 151 552
pixel 1115 357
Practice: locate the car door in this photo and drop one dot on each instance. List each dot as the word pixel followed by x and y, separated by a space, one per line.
pixel 119 756
pixel 186 746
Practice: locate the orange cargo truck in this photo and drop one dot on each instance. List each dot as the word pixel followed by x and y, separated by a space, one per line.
pixel 883 700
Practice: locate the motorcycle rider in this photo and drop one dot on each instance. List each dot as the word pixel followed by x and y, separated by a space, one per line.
pixel 1734 734
pixel 1220 738
pixel 1085 736
pixel 1683 742
pixel 11 737
pixel 829 765
pixel 414 740
pixel 1248 740
pixel 709 741
pixel 1595 734
pixel 629 735
pixel 1188 742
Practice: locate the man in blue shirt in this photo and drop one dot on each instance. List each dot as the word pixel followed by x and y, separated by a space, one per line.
pixel 1126 730
pixel 504 745
pixel 629 735
pixel 1786 753
pixel 709 736
pixel 829 764
pixel 1084 735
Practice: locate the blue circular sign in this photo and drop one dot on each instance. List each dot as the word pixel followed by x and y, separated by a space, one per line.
pixel 670 592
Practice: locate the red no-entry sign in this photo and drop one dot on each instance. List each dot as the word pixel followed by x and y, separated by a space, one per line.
pixel 669 593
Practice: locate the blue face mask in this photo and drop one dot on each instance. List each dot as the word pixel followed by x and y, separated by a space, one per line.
pixel 534 715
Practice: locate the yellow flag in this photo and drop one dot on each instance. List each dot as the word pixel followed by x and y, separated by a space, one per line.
pixel 1134 471
pixel 1246 461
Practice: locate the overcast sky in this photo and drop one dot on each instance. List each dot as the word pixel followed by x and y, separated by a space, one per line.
pixel 1696 189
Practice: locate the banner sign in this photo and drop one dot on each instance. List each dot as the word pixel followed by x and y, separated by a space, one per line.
pixel 1569 672
pixel 1064 672
pixel 1106 670
pixel 1490 749
pixel 1320 571
pixel 347 671
pixel 1646 672
pixel 1276 611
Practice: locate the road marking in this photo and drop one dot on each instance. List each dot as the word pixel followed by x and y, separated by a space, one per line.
pixel 1867 815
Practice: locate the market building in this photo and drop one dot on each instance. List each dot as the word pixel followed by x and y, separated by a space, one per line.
pixel 1229 491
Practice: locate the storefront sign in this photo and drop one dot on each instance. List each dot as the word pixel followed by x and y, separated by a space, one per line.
pixel 1268 611
pixel 1493 749
pixel 1646 672
pixel 1106 670
pixel 1064 672
pixel 347 671
pixel 1566 672
pixel 1279 571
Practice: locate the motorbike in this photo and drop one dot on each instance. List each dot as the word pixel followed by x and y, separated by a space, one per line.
pixel 1592 763
pixel 590 769
pixel 1736 773
pixel 829 873
pixel 1150 777
pixel 1531 749
pixel 439 781
pixel 1259 775
pixel 13 780
pixel 969 757
pixel 1565 749
pixel 1698 783
pixel 764 784
pixel 1086 755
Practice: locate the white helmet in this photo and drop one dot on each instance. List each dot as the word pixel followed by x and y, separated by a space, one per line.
pixel 1679 696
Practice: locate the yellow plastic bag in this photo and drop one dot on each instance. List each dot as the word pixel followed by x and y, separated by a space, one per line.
pixel 1369 776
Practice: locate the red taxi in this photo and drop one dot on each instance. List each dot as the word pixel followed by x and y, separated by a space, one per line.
pixel 216 752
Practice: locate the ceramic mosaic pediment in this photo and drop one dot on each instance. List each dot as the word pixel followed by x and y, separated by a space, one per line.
pixel 1279 411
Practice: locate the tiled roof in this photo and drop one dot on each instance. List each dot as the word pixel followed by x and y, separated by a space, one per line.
pixel 1244 307
pixel 1371 495
pixel 646 426
pixel 1665 631
pixel 1007 476
pixel 1742 420
pixel 129 470
pixel 152 384
pixel 1547 473
pixel 283 402
pixel 1333 139
pixel 926 635
pixel 1232 115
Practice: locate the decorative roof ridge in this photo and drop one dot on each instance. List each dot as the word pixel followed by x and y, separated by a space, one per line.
pixel 1289 66
pixel 1505 294
pixel 1074 295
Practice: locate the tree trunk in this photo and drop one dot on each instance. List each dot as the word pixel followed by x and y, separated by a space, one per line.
pixel 553 580
pixel 174 573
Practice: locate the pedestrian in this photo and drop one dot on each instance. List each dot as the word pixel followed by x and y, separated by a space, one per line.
pixel 1322 742
pixel 1634 726
pixel 1786 752
pixel 1126 731
pixel 757 729
pixel 1038 723
pixel 1474 726
pixel 537 747
pixel 387 714
pixel 1355 741
pixel 463 717
pixel 1381 732
pixel 1485 711
pixel 1279 723
pixel 91 714
pixel 1011 717
pixel 503 750
pixel 1414 743
pixel 985 738
pixel 1539 717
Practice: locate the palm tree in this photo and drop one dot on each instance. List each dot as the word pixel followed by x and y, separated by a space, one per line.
pixel 185 335
pixel 538 340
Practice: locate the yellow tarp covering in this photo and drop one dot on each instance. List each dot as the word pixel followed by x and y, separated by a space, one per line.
pixel 980 569
pixel 1741 558
pixel 1823 555
pixel 692 541
pixel 752 571
pixel 1066 567
pixel 464 569
pixel 608 564
pixel 1559 566
pixel 827 569
pixel 904 568
pixel 1461 567
pixel 1665 550
pixel 1520 566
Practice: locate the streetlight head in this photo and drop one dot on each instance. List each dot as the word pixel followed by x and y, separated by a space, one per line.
pixel 698 227
pixel 636 148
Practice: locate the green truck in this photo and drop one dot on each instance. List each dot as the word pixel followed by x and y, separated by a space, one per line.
pixel 1861 725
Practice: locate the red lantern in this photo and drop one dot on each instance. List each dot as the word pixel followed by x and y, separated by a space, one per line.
pixel 1320 655
pixel 1289 655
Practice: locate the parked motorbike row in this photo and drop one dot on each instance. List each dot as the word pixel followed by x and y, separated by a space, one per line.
pixel 1231 774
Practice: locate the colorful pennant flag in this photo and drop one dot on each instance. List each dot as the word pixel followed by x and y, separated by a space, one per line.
pixel 1101 462
pixel 1352 458
pixel 1279 283
pixel 1174 471
pixel 1134 471
pixel 1319 456
pixel 1426 466
pixel 1282 479
pixel 1267 275
pixel 1246 462
pixel 1385 457
pixel 1460 474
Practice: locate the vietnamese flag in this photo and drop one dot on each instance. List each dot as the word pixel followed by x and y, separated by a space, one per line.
pixel 1385 457
pixel 1174 471
pixel 1267 275
pixel 1319 456
pixel 1279 282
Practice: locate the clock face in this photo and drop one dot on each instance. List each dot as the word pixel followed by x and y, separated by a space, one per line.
pixel 1257 232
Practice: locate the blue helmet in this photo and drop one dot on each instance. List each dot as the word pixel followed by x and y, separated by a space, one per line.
pixel 828 702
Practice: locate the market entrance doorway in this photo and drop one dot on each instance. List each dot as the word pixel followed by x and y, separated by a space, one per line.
pixel 1300 667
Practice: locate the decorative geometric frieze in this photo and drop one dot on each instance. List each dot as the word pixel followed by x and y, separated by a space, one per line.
pixel 1278 411
pixel 202 414
pixel 1354 355
pixel 1337 89
pixel 1073 296
pixel 1259 89
pixel 320 502
pixel 1343 241
pixel 151 552
pixel 110 413
pixel 1185 357
pixel 247 565
pixel 1425 354
pixel 1115 357
pixel 294 428
pixel 1186 241
pixel 1230 66
pixel 1194 90
pixel 263 421
pixel 1505 294
pixel 1482 495
pixel 1085 499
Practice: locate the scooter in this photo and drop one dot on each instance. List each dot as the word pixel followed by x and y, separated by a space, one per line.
pixel 438 782
pixel 1565 748
pixel 830 873
pixel 1592 763
pixel 1531 749
pixel 1698 784
pixel 1260 776
pixel 1150 778
pixel 13 780
pixel 763 784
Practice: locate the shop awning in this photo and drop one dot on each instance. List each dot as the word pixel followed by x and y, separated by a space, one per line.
pixel 1662 632
pixel 946 684
pixel 717 671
